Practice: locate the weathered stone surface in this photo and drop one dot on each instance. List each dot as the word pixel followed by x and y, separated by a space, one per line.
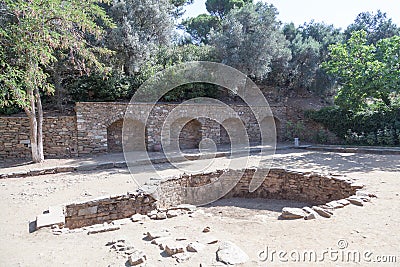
pixel 103 229
pixel 182 257
pixel 174 247
pixel 335 204
pixel 174 213
pixel 206 229
pixel 355 201
pixel 162 241
pixel 138 217
pixel 87 211
pixel 362 193
pixel 187 207
pixel 54 216
pixel 136 258
pixel 311 214
pixel 292 213
pixel 156 234
pixel 195 247
pixel 161 216
pixel 322 212
pixel 231 254
pixel 344 202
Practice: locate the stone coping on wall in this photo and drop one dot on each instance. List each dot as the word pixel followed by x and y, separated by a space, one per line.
pixel 172 104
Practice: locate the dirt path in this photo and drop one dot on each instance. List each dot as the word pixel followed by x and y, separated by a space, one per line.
pixel 250 224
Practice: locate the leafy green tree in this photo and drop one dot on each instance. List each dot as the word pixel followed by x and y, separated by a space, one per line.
pixel 200 27
pixel 220 8
pixel 250 39
pixel 309 48
pixel 179 6
pixel 377 26
pixel 31 34
pixel 142 27
pixel 366 72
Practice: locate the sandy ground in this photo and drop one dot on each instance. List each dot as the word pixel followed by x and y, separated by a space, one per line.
pixel 250 223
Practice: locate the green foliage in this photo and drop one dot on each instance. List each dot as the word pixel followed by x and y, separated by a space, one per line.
pixel 366 73
pixel 32 34
pixel 309 48
pixel 142 27
pixel 99 88
pixel 377 26
pixel 250 39
pixel 294 130
pixel 170 56
pixel 379 125
pixel 200 27
pixel 220 8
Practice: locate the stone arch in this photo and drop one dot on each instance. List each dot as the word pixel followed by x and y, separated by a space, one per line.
pixel 267 128
pixel 234 125
pixel 187 133
pixel 133 137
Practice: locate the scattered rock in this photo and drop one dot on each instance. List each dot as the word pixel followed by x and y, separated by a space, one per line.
pixel 103 229
pixel 137 257
pixel 356 201
pixel 362 193
pixel 187 207
pixel 322 212
pixel 182 257
pixel 157 234
pixel 138 217
pixel 311 214
pixel 292 213
pixel 344 202
pixel 174 213
pixel 335 204
pixel 195 247
pixel 161 242
pixel 206 229
pixel 231 254
pixel 174 248
pixel 161 216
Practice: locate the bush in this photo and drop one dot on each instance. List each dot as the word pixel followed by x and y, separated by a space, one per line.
pixel 378 125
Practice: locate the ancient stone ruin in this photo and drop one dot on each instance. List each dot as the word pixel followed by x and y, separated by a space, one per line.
pixel 324 193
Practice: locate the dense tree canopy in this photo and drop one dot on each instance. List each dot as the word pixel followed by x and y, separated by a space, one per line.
pixel 200 27
pixel 377 26
pixel 250 39
pixel 366 72
pixel 220 8
pixel 31 34
pixel 142 26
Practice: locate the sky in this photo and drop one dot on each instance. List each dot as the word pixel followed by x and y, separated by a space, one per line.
pixel 340 13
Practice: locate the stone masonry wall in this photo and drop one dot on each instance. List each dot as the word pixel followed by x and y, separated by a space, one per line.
pixel 107 209
pixel 308 187
pixel 93 119
pixel 97 128
pixel 59 137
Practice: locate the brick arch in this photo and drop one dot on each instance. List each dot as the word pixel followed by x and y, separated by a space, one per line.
pixel 132 135
pixel 188 133
pixel 234 125
pixel 266 125
pixel 113 118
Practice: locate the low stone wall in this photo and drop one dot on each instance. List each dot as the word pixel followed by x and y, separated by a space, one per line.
pixel 107 209
pixel 59 137
pixel 307 187
pixel 312 188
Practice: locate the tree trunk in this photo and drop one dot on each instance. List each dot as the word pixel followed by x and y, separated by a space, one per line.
pixel 35 126
pixel 39 125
